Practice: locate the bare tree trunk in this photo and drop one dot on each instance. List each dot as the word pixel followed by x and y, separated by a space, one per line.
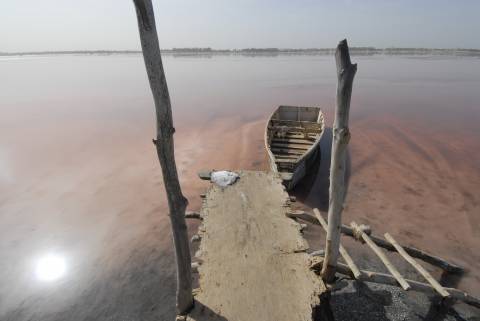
pixel 177 203
pixel 341 136
pixel 343 252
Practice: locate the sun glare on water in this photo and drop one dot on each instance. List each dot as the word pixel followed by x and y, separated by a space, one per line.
pixel 50 267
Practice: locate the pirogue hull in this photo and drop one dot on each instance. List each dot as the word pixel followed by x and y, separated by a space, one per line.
pixel 292 138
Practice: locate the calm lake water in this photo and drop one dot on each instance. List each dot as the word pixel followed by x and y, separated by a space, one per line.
pixel 84 233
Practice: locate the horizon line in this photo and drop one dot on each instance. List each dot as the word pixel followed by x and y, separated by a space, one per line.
pixel 210 49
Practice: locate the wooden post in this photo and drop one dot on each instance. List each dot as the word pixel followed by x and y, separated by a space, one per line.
pixel 341 136
pixel 177 203
pixel 348 259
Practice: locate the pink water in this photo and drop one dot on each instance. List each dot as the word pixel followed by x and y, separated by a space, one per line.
pixel 80 182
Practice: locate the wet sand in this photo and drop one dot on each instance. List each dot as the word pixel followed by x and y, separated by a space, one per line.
pixel 80 178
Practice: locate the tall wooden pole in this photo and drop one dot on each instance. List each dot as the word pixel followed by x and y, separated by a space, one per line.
pixel 177 203
pixel 341 136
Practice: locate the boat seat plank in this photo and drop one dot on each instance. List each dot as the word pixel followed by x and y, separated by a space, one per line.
pixel 299 123
pixel 286 151
pixel 310 137
pixel 292 146
pixel 285 160
pixel 298 130
pixel 286 157
pixel 292 140
pixel 304 125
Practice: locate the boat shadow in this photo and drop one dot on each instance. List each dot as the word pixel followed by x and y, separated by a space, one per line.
pixel 313 189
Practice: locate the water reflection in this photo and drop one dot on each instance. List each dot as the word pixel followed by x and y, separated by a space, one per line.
pixel 50 267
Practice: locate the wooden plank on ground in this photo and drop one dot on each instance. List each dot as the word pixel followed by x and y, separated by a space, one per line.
pixel 383 278
pixel 434 283
pixel 254 265
pixel 390 267
pixel 414 252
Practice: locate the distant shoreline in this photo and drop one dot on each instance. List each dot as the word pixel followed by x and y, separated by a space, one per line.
pixel 356 51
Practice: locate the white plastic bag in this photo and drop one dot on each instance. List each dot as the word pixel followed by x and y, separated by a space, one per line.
pixel 223 178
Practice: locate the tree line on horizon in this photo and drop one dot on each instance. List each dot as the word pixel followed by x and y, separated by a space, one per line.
pixel 274 51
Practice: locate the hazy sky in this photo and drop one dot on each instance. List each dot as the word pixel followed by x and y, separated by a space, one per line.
pixel 30 25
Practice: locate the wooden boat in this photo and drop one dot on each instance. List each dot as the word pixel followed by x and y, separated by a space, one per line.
pixel 292 138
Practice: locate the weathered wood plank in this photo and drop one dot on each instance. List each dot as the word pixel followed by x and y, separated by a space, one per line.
pixel 289 140
pixel 310 137
pixel 303 216
pixel 254 265
pixel 194 215
pixel 312 127
pixel 341 136
pixel 343 252
pixel 280 151
pixel 417 253
pixel 417 266
pixel 383 278
pixel 292 160
pixel 205 174
pixel 390 267
pixel 294 146
pixel 298 132
pixel 177 203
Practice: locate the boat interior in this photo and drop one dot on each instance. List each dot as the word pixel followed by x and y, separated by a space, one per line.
pixel 291 132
